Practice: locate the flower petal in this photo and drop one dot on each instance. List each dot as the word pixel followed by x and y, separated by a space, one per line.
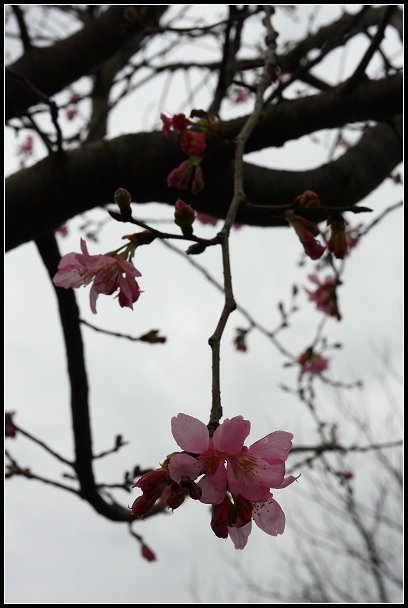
pixel 231 434
pixel 286 482
pixel 239 536
pixel 250 484
pixel 183 465
pixel 269 517
pixel 214 486
pixel 274 446
pixel 190 434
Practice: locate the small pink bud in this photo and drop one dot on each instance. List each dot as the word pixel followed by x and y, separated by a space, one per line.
pixel 184 215
pixel 307 199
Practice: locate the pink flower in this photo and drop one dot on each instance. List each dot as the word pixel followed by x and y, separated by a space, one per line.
pixel 193 143
pixel 9 428
pixel 306 231
pixel 180 176
pixel 26 147
pixel 147 553
pixel 240 95
pixel 205 218
pixel 337 242
pixel 347 474
pixel 267 515
pixel 178 122
pixel 62 230
pixel 108 272
pixel 239 340
pixel 307 199
pixel 70 113
pixel 312 363
pixel 325 296
pixel 250 472
pixel 113 273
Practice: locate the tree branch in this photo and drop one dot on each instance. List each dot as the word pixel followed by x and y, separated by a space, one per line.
pixel 69 313
pixel 89 176
pixel 52 68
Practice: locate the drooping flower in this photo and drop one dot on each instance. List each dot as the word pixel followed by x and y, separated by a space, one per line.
pixel 312 363
pixel 147 553
pixel 234 479
pixel 109 274
pixel 205 218
pixel 180 176
pixel 306 231
pixel 240 340
pixel 325 296
pixel 337 242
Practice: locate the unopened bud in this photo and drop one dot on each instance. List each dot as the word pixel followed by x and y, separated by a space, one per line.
pixel 123 198
pixel 196 249
pixel 141 238
pixel 307 199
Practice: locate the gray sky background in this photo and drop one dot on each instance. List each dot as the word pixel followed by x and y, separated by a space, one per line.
pixel 57 549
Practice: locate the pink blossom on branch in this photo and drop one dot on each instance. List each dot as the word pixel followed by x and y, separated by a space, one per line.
pixel 312 363
pixel 325 296
pixel 178 122
pixel 109 274
pixel 193 143
pixel 249 472
pixel 234 479
pixel 306 231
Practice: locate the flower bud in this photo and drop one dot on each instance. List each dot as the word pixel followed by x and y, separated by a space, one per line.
pixel 123 198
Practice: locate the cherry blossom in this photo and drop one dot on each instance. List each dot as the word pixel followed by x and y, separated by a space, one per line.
pixel 312 363
pixel 109 273
pixel 324 295
pixel 306 231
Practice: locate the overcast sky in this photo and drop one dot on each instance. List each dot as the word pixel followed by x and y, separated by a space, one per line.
pixel 57 549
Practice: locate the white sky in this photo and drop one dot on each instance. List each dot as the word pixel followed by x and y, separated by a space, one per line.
pixel 57 549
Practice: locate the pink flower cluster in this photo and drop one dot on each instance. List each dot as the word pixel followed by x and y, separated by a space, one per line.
pixel 193 142
pixel 240 340
pixel 109 273
pixel 325 296
pixel 234 479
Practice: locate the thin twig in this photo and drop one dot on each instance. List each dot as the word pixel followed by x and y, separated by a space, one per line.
pixel 237 199
pixel 43 445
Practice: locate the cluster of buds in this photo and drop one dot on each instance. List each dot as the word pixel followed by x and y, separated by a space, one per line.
pixel 234 479
pixel 193 142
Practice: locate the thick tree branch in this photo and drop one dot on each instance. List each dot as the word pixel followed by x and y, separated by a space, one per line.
pixel 52 68
pixel 44 196
pixel 69 313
